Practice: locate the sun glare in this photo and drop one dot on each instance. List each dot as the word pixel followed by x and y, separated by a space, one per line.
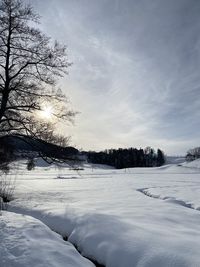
pixel 46 112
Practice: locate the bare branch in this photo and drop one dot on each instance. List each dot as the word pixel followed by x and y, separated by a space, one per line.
pixel 29 70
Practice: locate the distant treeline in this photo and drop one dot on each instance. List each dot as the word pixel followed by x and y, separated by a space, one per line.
pixel 127 158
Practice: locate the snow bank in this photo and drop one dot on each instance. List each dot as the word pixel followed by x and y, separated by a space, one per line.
pixel 26 241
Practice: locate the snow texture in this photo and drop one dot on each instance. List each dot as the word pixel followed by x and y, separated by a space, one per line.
pixel 26 241
pixel 141 217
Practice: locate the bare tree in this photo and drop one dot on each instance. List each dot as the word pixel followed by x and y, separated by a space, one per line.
pixel 29 67
pixel 45 131
pixel 193 154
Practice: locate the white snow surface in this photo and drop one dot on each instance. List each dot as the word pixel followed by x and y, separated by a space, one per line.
pixel 139 217
pixel 26 241
pixel 192 164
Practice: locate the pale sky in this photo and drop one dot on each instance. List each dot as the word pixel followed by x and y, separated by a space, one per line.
pixel 136 72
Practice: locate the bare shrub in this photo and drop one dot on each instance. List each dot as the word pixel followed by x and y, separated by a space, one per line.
pixel 30 164
pixel 7 187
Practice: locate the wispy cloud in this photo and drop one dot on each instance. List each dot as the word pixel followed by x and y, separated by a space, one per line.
pixel 135 76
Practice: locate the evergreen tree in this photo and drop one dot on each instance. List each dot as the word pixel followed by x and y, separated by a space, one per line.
pixel 160 158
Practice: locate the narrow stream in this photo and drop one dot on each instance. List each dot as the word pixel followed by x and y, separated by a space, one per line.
pixel 169 199
pixel 65 238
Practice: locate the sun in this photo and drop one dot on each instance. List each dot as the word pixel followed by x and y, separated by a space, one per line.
pixel 46 112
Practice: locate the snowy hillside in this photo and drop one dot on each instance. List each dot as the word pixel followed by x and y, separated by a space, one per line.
pixel 192 164
pixel 139 217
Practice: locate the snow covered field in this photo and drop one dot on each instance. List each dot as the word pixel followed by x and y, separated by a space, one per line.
pixel 144 217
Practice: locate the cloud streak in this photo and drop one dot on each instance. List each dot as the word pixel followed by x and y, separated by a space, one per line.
pixel 135 76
